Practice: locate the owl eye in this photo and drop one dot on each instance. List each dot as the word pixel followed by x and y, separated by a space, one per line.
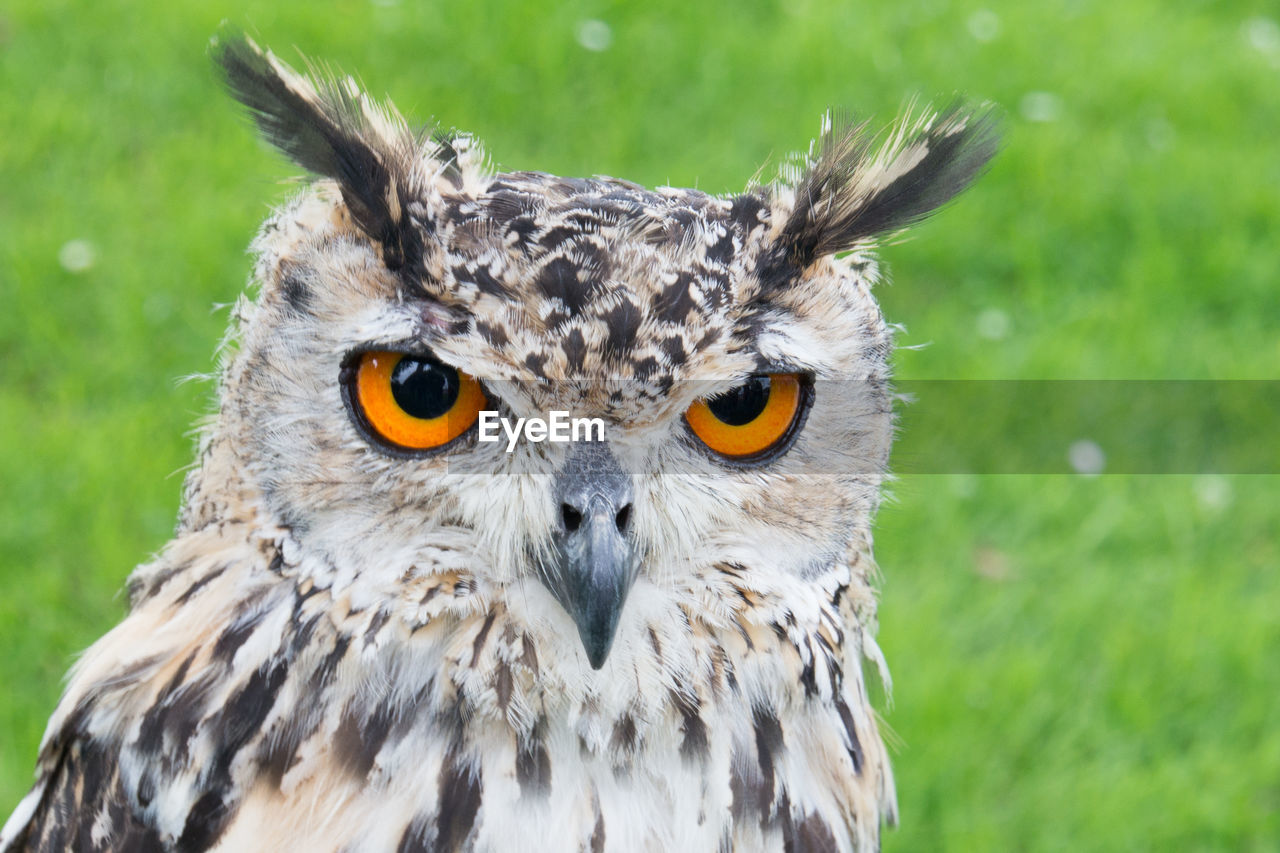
pixel 412 402
pixel 754 421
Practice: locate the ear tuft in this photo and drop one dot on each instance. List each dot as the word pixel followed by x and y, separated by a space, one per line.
pixel 328 126
pixel 851 192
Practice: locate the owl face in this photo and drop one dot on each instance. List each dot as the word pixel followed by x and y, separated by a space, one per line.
pixel 736 366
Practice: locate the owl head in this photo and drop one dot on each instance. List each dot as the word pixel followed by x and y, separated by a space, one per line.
pixel 720 361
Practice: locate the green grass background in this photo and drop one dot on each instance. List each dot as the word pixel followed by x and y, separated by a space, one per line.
pixel 1081 663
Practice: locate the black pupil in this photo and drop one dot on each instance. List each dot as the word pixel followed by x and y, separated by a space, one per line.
pixel 424 387
pixel 741 405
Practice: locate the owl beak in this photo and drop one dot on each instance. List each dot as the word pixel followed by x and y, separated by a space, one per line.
pixel 595 562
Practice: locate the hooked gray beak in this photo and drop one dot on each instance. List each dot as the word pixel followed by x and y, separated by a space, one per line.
pixel 594 564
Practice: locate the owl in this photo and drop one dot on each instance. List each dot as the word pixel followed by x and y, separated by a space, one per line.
pixel 535 514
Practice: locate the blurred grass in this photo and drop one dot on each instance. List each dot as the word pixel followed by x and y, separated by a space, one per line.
pixel 1083 664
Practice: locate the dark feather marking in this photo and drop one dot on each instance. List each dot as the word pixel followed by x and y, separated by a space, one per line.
pixel 459 801
pixel 52 833
pixel 768 744
pixel 323 673
pixel 503 684
pixel 575 349
pixel 234 637
pixel 811 835
pixel 645 367
pixel 523 228
pixel 470 234
pixel 205 822
pixel 533 768
pixel 623 739
pixel 84 783
pixel 808 675
pixel 179 718
pixel 137 593
pixel 655 643
pixel 855 745
pixel 721 251
pixel 675 301
pixel 482 279
pixel 559 280
pixel 131 674
pixel 303 627
pixel 241 718
pixel 324 130
pixel 597 833
pixel 236 723
pixel 478 645
pixel 502 206
pixel 495 335
pixel 446 153
pixel 565 186
pixel 279 751
pixel 593 263
pixel 593 213
pixel 359 738
pixel 823 222
pixel 146 790
pixel 138 837
pixel 161 714
pixel 707 339
pixel 742 775
pixel 416 836
pixel 416 714
pixel 529 655
pixel 97 781
pixel 747 211
pixel 558 236
pixel 536 363
pixel 673 348
pixel 692 727
pixel 776 273
pixel 296 294
pixel 623 321
pixel 201 583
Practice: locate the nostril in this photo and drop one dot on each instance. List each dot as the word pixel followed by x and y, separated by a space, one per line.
pixel 623 518
pixel 570 517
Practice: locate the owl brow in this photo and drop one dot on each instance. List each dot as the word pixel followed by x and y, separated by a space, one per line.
pixel 408 346
pixel 772 365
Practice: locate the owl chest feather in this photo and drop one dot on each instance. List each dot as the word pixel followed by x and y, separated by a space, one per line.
pixel 240 709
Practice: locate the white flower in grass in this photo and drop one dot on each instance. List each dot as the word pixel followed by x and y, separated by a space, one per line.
pixel 993 324
pixel 1040 106
pixel 1086 458
pixel 984 25
pixel 594 35
pixel 77 255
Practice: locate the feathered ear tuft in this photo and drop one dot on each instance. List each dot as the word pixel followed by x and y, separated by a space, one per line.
pixel 851 192
pixel 329 127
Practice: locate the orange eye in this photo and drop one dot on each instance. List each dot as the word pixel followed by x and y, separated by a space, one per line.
pixel 746 422
pixel 413 402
